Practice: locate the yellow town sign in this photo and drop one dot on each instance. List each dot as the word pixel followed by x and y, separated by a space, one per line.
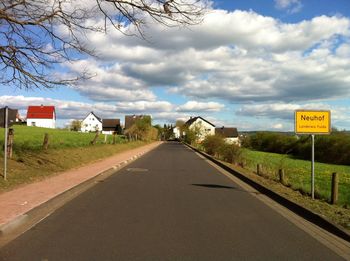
pixel 312 122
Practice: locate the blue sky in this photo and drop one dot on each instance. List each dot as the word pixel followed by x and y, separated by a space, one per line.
pixel 249 65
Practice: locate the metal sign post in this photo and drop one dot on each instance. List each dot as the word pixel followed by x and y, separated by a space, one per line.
pixel 313 166
pixel 312 122
pixel 5 143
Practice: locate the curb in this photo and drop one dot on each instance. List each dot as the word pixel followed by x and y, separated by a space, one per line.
pixel 24 222
pixel 292 206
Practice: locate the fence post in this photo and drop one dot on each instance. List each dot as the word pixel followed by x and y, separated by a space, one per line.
pixel 105 138
pixel 258 169
pixel 93 142
pixel 10 138
pixel 46 141
pixel 335 181
pixel 114 134
pixel 281 176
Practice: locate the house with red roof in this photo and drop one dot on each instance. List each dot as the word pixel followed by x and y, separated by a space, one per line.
pixel 41 116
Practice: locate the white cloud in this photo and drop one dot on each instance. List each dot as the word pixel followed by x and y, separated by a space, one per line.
pixel 235 56
pixel 141 106
pixel 278 126
pixel 292 6
pixel 109 83
pixel 193 106
pixel 278 110
pixel 160 110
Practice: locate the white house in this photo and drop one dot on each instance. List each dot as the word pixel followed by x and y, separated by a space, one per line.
pixel 230 135
pixel 177 132
pixel 91 123
pixel 41 116
pixel 201 126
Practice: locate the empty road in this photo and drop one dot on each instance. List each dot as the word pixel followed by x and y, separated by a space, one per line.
pixel 168 205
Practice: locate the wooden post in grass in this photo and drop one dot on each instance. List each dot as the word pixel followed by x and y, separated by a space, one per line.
pixel 10 138
pixel 105 138
pixel 93 142
pixel 335 181
pixel 46 141
pixel 258 169
pixel 114 134
pixel 281 176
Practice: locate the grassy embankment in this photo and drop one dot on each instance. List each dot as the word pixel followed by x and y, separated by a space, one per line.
pixel 298 174
pixel 66 150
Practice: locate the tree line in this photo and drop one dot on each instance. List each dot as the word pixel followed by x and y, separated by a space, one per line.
pixel 334 148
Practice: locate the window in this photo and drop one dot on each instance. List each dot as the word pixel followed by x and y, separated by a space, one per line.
pixel 34 123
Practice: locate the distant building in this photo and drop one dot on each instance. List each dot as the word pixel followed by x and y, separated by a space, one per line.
pixel 109 126
pixel 91 123
pixel 177 132
pixel 41 116
pixel 202 126
pixel 229 134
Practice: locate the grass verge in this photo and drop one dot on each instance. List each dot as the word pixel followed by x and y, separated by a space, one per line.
pixel 33 165
pixel 334 213
pixel 27 138
pixel 298 174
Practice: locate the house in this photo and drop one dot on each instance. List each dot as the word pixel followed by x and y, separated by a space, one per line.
pixel 131 120
pixel 201 126
pixel 177 132
pixel 41 116
pixel 229 134
pixel 110 126
pixel 91 123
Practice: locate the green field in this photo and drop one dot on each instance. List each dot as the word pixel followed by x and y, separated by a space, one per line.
pixel 31 138
pixel 298 173
pixel 67 150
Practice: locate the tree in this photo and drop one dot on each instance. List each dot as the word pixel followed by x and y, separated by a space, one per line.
pixel 75 125
pixel 179 123
pixel 143 130
pixel 36 35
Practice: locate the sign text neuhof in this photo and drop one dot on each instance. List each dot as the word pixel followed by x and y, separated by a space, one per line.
pixel 312 122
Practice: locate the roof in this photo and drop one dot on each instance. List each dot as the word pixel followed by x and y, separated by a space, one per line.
pixel 227 132
pixel 98 118
pixel 41 112
pixel 192 120
pixel 110 124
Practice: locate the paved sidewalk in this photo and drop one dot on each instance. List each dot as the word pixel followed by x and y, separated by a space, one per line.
pixel 21 200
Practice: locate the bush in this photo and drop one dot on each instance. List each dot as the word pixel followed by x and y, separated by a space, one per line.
pixel 190 136
pixel 271 142
pixel 230 153
pixel 212 144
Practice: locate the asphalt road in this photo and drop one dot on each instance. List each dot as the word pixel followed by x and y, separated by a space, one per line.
pixel 168 205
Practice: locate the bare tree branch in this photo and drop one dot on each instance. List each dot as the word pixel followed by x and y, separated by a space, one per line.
pixel 38 35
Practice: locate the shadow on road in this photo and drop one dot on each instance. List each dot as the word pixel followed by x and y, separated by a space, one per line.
pixel 215 186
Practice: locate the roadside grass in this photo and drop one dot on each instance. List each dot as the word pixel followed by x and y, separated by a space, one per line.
pixel 298 174
pixel 67 150
pixel 28 138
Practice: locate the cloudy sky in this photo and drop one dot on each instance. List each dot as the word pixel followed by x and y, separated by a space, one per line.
pixel 250 64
